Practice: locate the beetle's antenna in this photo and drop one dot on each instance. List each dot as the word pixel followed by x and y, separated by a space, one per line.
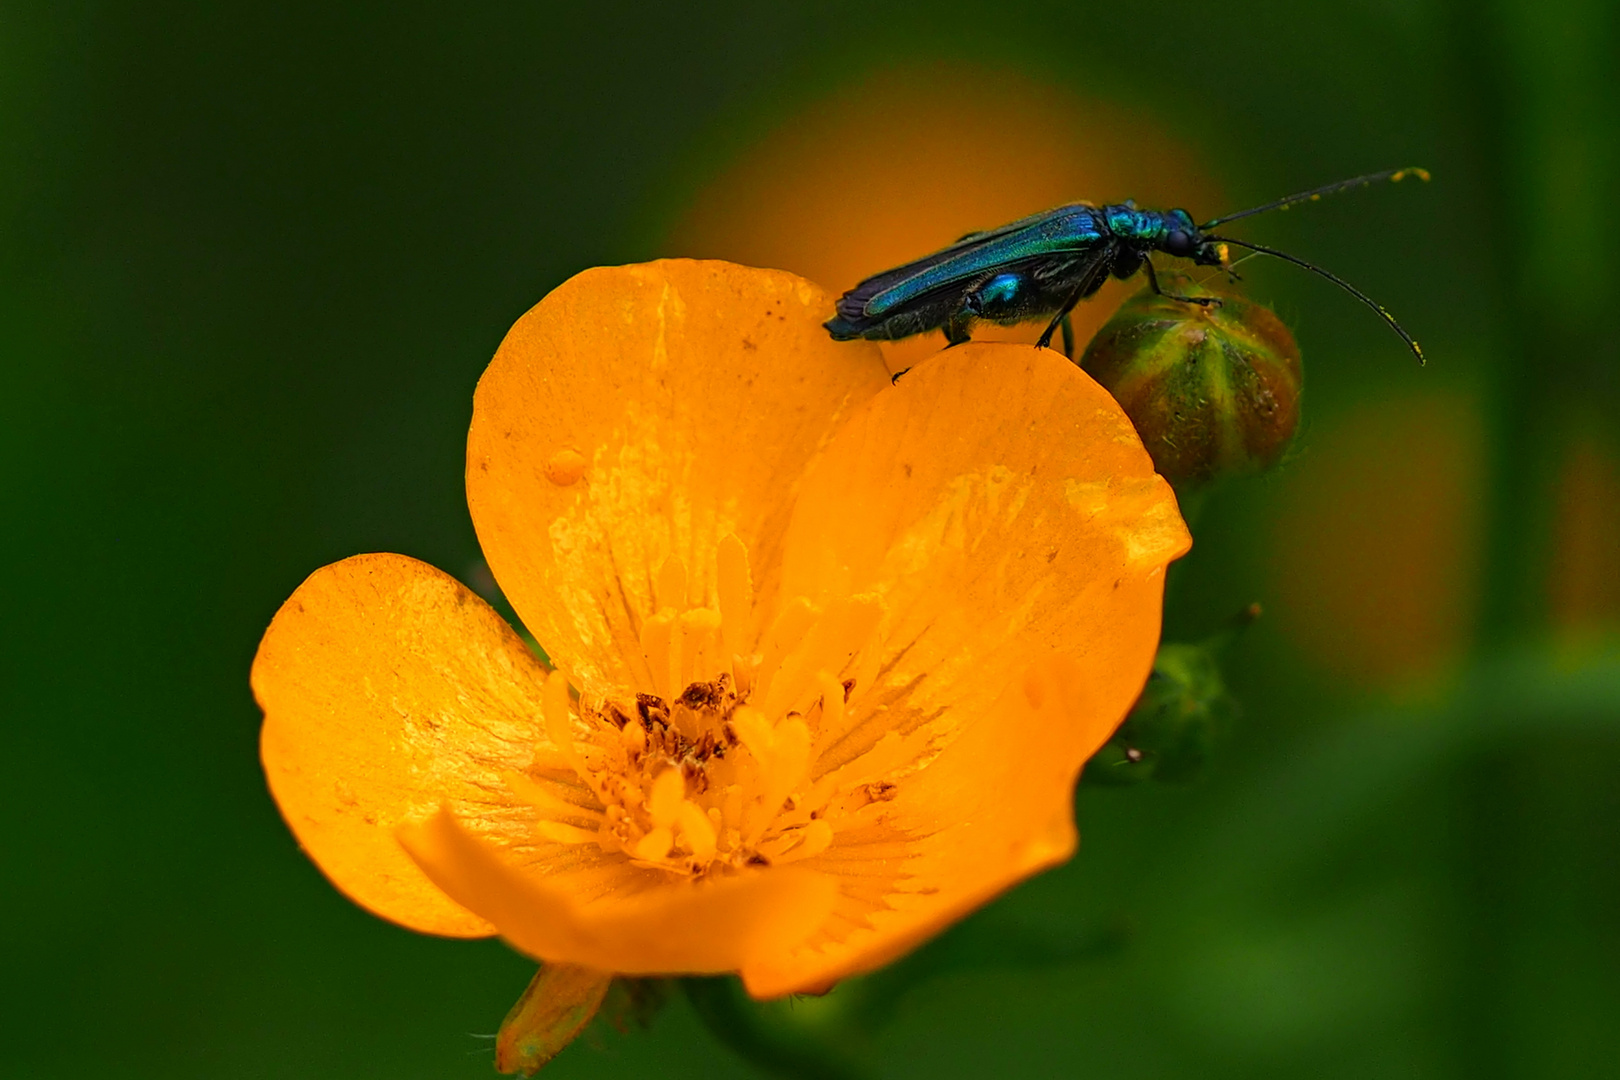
pixel 1337 280
pixel 1392 175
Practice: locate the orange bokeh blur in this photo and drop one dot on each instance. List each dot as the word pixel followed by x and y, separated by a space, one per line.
pixel 1583 578
pixel 1376 547
pixel 909 159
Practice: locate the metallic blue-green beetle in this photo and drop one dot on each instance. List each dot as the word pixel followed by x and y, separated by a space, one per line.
pixel 1046 264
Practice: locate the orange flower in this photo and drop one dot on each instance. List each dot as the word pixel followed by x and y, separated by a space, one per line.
pixel 829 652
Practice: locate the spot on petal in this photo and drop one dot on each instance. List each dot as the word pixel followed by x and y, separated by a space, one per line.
pixel 565 467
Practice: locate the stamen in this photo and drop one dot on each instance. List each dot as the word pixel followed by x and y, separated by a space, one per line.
pixel 554 705
pixel 656 632
pixel 633 737
pixel 564 834
pixel 548 758
pixel 538 797
pixel 736 592
pixel 677 649
pixel 686 722
pixel 828 645
pixel 655 845
pixel 671 584
pixel 832 703
pixel 755 732
pixel 791 761
pixel 701 648
pixel 697 830
pixel 664 801
pixel 709 769
pixel 796 618
pixel 731 810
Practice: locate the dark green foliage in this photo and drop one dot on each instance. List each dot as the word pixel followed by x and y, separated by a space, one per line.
pixel 253 258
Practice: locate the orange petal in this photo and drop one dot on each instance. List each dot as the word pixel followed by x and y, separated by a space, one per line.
pixel 388 690
pixel 1001 506
pixel 640 413
pixel 673 927
pixel 995 807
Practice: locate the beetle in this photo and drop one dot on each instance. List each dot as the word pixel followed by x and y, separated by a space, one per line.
pixel 1045 264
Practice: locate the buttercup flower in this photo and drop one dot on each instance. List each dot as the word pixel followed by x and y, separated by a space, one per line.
pixel 830 653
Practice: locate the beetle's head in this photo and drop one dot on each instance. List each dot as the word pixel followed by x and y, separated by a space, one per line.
pixel 1185 240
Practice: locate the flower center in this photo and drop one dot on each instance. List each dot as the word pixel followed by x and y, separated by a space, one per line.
pixel 734 760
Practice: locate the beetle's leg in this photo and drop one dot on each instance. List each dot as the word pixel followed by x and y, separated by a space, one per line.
pixel 1092 273
pixel 956 333
pixel 1062 318
pixel 1153 283
pixel 1067 326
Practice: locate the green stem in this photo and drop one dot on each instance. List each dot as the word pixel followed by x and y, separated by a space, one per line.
pixel 1480 1044
pixel 1522 89
pixel 760 1033
pixel 818 1038
pixel 1535 101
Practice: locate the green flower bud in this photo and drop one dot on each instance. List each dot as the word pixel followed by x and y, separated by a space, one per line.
pixel 1212 389
pixel 1172 728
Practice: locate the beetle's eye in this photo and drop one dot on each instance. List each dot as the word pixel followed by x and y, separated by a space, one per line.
pixel 1178 243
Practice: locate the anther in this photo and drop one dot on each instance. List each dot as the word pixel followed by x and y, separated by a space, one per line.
pixel 664 801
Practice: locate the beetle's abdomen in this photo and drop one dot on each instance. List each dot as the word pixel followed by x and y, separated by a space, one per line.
pixel 1004 275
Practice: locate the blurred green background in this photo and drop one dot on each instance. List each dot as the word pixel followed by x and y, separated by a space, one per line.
pixel 253 259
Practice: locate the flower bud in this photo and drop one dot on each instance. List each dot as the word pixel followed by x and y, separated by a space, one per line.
pixel 1212 389
pixel 560 1000
pixel 1174 724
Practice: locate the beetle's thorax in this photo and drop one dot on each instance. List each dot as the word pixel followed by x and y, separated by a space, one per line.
pixel 1127 222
